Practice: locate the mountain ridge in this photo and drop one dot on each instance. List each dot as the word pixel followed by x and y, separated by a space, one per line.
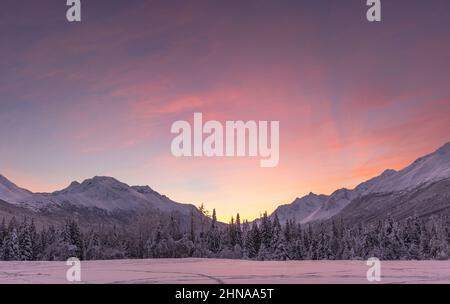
pixel 101 192
pixel 423 171
pixel 111 195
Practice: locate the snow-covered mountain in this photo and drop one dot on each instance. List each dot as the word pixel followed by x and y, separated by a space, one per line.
pixel 424 171
pixel 103 193
pixel 10 192
pixel 427 169
pixel 414 183
pixel 301 208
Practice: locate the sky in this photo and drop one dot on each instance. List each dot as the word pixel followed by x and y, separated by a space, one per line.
pixel 99 97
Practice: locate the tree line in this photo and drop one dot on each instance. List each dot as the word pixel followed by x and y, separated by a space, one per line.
pixel 264 239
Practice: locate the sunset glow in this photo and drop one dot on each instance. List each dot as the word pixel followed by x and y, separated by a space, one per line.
pixel 99 98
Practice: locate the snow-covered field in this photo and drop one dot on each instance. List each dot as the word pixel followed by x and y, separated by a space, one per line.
pixel 183 271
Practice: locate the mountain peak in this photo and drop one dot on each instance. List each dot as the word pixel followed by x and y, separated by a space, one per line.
pixel 388 172
pixel 10 192
pixel 444 149
pixel 104 179
pixel 4 179
pixel 71 188
pixel 74 184
pixel 7 183
pixel 310 198
pixel 143 189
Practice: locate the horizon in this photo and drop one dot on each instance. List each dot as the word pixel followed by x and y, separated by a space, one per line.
pixel 219 217
pixel 98 97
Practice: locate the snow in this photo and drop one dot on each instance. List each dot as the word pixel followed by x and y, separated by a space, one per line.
pixel 312 216
pixel 425 170
pixel 110 194
pixel 9 192
pixel 211 271
pixel 301 208
pixel 100 192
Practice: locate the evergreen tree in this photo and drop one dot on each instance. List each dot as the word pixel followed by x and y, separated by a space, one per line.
pixel 238 229
pixel 252 242
pixel 3 233
pixel 266 232
pixel 192 229
pixel 11 250
pixel 213 235
pixel 232 234
pixel 25 245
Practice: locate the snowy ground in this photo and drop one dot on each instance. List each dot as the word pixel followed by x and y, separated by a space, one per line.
pixel 183 271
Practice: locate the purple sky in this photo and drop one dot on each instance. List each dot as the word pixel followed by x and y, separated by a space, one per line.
pixel 98 97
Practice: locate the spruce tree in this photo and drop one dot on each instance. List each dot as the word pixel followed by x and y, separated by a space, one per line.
pixel 266 232
pixel 11 250
pixel 25 245
pixel 213 235
pixel 239 240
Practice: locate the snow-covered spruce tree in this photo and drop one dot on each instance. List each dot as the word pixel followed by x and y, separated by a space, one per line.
pixel 348 252
pixel 369 243
pixel 336 239
pixel 183 247
pixel 299 252
pixel 174 228
pixel 77 239
pixel 252 242
pixel 3 233
pixel 264 253
pixel 93 247
pixel 266 234
pixel 277 237
pixel 49 244
pixel 192 234
pixel 71 241
pixel 373 238
pixel 35 240
pixel 157 250
pixel 239 240
pixel 424 245
pixel 280 252
pixel 323 244
pixel 307 238
pixel 25 244
pixel 11 248
pixel 289 239
pixel 213 235
pixel 410 234
pixel 439 248
pixel 231 233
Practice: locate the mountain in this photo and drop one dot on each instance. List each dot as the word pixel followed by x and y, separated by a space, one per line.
pixel 10 192
pixel 423 201
pixel 420 188
pixel 425 170
pixel 301 208
pixel 380 195
pixel 97 200
pixel 109 194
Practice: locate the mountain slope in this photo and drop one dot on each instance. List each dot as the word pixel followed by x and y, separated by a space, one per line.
pixel 422 201
pixel 103 198
pixel 109 194
pixel 421 173
pixel 10 192
pixel 99 195
pixel 300 208
pixel 425 170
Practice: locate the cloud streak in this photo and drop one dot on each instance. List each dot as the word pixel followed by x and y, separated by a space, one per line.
pixel 98 98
